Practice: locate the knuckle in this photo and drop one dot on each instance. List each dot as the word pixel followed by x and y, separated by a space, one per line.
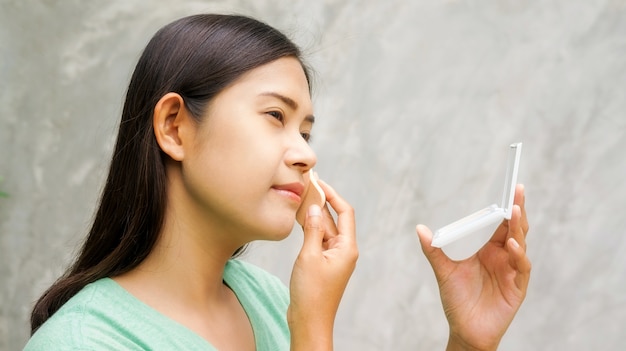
pixel 312 223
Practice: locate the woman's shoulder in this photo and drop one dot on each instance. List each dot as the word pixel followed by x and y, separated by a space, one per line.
pixel 75 324
pixel 104 316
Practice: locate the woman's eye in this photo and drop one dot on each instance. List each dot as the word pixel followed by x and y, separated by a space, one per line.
pixel 306 136
pixel 276 114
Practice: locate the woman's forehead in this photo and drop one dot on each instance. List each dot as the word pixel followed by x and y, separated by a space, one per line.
pixel 283 79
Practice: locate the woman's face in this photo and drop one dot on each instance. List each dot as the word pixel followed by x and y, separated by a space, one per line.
pixel 245 168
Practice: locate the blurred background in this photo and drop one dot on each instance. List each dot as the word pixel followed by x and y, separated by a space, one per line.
pixel 417 102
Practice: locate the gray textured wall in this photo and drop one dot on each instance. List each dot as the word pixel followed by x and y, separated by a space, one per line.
pixel 417 101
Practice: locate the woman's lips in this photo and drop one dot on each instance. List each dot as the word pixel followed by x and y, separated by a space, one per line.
pixel 292 191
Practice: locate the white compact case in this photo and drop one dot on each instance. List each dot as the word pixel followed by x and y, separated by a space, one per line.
pixel 489 215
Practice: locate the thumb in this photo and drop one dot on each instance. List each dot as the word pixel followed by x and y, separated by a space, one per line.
pixel 437 258
pixel 313 230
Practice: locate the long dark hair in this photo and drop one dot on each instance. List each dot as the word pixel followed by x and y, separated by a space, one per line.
pixel 196 57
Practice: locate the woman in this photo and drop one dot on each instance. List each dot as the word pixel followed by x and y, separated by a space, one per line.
pixel 211 154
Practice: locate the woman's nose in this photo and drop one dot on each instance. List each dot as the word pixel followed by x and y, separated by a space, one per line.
pixel 300 154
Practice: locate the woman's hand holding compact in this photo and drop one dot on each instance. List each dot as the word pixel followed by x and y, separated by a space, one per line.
pixel 482 294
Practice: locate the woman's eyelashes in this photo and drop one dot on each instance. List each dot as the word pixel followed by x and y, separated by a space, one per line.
pixel 278 115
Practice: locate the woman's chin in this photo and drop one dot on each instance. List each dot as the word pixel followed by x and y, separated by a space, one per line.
pixel 280 234
pixel 270 231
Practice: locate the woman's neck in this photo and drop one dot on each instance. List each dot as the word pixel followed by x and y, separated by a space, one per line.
pixel 188 259
pixel 182 278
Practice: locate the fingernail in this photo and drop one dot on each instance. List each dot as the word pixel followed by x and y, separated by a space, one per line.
pixel 314 210
pixel 514 243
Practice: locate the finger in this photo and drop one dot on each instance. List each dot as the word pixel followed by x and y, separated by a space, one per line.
pixel 313 231
pixel 515 228
pixel 520 199
pixel 438 260
pixel 345 212
pixel 330 228
pixel 502 232
pixel 520 262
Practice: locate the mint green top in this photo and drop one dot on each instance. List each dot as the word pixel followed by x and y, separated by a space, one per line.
pixel 104 316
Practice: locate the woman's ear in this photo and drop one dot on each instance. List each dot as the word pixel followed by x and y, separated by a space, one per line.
pixel 170 122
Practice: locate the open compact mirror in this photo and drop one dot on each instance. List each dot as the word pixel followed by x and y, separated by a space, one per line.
pixel 489 215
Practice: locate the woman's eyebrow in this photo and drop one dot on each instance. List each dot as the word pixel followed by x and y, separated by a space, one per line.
pixel 289 102
pixel 286 100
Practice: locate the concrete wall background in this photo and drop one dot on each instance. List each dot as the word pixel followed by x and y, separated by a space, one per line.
pixel 416 103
